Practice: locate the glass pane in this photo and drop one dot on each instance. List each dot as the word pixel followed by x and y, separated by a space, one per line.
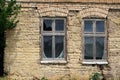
pixel 47 25
pixel 100 26
pixel 100 47
pixel 88 51
pixel 59 25
pixel 59 47
pixel 47 46
pixel 88 26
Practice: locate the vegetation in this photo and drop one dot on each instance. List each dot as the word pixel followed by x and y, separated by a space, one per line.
pixel 43 78
pixel 8 14
pixel 95 76
pixel 3 78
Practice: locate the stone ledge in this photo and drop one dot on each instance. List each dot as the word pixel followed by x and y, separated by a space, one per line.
pixel 54 61
pixel 95 62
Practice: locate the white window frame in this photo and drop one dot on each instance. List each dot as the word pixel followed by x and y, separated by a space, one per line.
pixel 53 33
pixel 100 34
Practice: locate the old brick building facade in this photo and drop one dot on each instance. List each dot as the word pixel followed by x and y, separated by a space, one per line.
pixel 64 38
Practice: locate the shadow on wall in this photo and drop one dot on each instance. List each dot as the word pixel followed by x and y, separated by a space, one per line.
pixel 12 37
pixel 2 45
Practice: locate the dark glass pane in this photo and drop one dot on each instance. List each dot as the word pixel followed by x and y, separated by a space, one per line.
pixel 100 26
pixel 100 47
pixel 88 26
pixel 59 25
pixel 47 25
pixel 88 51
pixel 47 42
pixel 59 46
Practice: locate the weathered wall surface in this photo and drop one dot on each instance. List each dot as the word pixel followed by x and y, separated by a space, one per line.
pixel 83 1
pixel 23 51
pixel 114 42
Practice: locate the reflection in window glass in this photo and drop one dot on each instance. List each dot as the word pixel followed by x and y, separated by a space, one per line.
pixel 47 46
pixel 47 25
pixel 99 47
pixel 88 48
pixel 59 25
pixel 59 46
pixel 88 26
pixel 99 26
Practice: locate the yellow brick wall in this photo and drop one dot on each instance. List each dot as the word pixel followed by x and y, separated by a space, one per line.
pixel 23 50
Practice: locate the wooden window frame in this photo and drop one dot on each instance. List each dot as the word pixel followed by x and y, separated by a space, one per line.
pixel 95 34
pixel 53 33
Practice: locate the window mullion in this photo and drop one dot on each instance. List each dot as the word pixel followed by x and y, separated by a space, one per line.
pixel 53 53
pixel 105 56
pixel 94 47
pixel 94 38
pixel 42 47
pixel 64 48
pixel 105 39
pixel 42 50
pixel 53 46
pixel 53 25
pixel 83 40
pixel 42 26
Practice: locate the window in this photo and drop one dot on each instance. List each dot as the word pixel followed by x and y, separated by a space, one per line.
pixel 53 39
pixel 94 41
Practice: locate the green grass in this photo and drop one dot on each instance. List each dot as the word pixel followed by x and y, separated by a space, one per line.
pixel 3 78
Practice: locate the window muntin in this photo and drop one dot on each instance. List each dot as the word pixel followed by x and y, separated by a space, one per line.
pixel 53 39
pixel 94 39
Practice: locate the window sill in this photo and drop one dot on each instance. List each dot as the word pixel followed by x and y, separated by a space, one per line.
pixel 54 61
pixel 95 62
